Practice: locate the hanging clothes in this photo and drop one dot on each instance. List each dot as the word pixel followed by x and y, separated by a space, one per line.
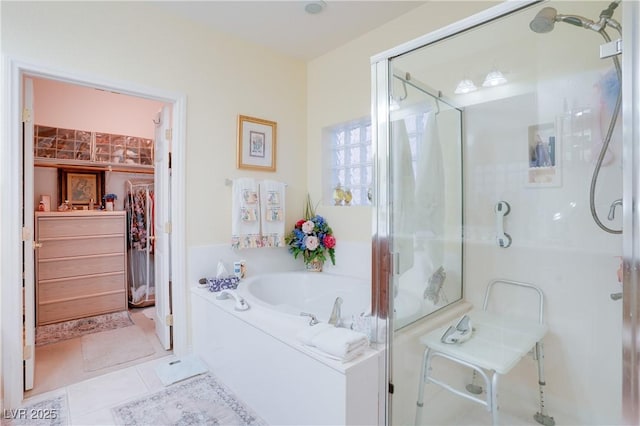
pixel 139 204
pixel 140 209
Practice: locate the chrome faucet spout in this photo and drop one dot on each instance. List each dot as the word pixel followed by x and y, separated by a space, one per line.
pixel 336 313
pixel 612 209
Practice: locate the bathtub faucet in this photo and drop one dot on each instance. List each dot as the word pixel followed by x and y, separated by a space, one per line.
pixel 313 320
pixel 241 304
pixel 336 312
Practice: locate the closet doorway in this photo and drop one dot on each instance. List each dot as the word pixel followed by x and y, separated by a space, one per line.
pixel 122 140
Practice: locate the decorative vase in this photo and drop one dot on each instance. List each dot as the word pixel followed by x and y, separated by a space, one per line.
pixel 315 265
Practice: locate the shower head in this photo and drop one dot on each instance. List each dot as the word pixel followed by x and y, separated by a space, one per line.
pixel 544 20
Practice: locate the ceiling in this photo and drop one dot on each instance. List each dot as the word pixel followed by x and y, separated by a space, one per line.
pixel 285 27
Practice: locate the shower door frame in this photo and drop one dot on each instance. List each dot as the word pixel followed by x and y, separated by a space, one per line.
pixel 631 213
pixel 381 232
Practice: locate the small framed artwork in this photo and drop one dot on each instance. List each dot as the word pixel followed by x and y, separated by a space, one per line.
pixel 256 144
pixel 543 156
pixel 79 187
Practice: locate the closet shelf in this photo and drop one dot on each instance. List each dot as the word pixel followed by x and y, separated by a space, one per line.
pixel 84 165
pixel 81 147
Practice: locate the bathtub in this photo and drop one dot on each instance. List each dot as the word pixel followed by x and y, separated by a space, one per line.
pixel 257 355
pixel 295 292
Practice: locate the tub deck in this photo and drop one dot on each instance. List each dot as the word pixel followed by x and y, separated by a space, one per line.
pixel 256 353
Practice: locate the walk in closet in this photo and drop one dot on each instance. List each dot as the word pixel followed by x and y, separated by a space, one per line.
pixel 93 191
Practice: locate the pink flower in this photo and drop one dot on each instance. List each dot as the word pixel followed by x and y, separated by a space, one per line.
pixel 311 242
pixel 308 226
pixel 329 241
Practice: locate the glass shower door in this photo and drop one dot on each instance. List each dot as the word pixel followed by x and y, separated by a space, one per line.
pixel 541 157
pixel 426 200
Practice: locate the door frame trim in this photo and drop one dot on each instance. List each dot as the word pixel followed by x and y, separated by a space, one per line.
pixel 11 303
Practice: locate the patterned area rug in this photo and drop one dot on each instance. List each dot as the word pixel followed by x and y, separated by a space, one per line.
pixel 201 400
pixel 52 333
pixel 52 412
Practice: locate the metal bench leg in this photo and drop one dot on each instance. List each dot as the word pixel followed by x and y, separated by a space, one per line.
pixel 426 360
pixel 494 399
pixel 542 417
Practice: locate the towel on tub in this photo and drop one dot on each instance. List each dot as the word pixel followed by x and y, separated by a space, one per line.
pixel 335 342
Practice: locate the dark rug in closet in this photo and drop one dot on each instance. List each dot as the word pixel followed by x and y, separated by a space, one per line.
pixel 52 333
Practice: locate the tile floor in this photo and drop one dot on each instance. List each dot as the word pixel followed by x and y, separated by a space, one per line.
pixel 60 364
pixel 90 401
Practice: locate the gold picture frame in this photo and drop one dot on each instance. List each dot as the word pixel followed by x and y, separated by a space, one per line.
pixel 256 144
pixel 79 187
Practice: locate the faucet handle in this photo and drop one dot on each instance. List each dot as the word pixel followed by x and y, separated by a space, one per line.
pixel 313 320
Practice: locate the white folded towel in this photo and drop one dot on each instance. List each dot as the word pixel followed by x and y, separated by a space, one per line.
pixel 335 342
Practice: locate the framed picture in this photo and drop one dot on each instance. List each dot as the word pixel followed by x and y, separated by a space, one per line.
pixel 256 144
pixel 79 187
pixel 544 156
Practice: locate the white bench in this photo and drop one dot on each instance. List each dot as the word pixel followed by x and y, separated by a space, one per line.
pixel 497 344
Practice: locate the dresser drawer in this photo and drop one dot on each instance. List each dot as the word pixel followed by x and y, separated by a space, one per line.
pixel 80 265
pixel 89 306
pixel 55 227
pixel 78 246
pixel 65 289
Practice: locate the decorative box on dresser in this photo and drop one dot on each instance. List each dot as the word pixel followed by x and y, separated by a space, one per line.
pixel 80 264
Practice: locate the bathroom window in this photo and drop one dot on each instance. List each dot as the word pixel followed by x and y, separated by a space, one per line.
pixel 348 163
pixel 348 156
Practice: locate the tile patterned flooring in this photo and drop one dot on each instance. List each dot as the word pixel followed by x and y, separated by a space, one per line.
pixel 90 401
pixel 90 395
pixel 60 364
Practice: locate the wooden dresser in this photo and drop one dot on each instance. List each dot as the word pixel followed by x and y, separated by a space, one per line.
pixel 80 264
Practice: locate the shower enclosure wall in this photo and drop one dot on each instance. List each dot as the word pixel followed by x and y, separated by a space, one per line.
pixel 509 182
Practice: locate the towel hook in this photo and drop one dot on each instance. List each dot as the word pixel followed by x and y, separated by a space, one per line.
pixel 404 80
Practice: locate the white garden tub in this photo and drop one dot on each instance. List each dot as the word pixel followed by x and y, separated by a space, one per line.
pixel 315 293
pixel 257 354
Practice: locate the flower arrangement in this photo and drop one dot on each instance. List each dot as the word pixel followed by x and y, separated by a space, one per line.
pixel 312 237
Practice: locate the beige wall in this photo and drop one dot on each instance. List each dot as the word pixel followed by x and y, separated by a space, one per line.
pixel 221 77
pixel 339 90
pixel 71 106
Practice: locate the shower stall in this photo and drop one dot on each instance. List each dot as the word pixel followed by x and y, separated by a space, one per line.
pixel 507 148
